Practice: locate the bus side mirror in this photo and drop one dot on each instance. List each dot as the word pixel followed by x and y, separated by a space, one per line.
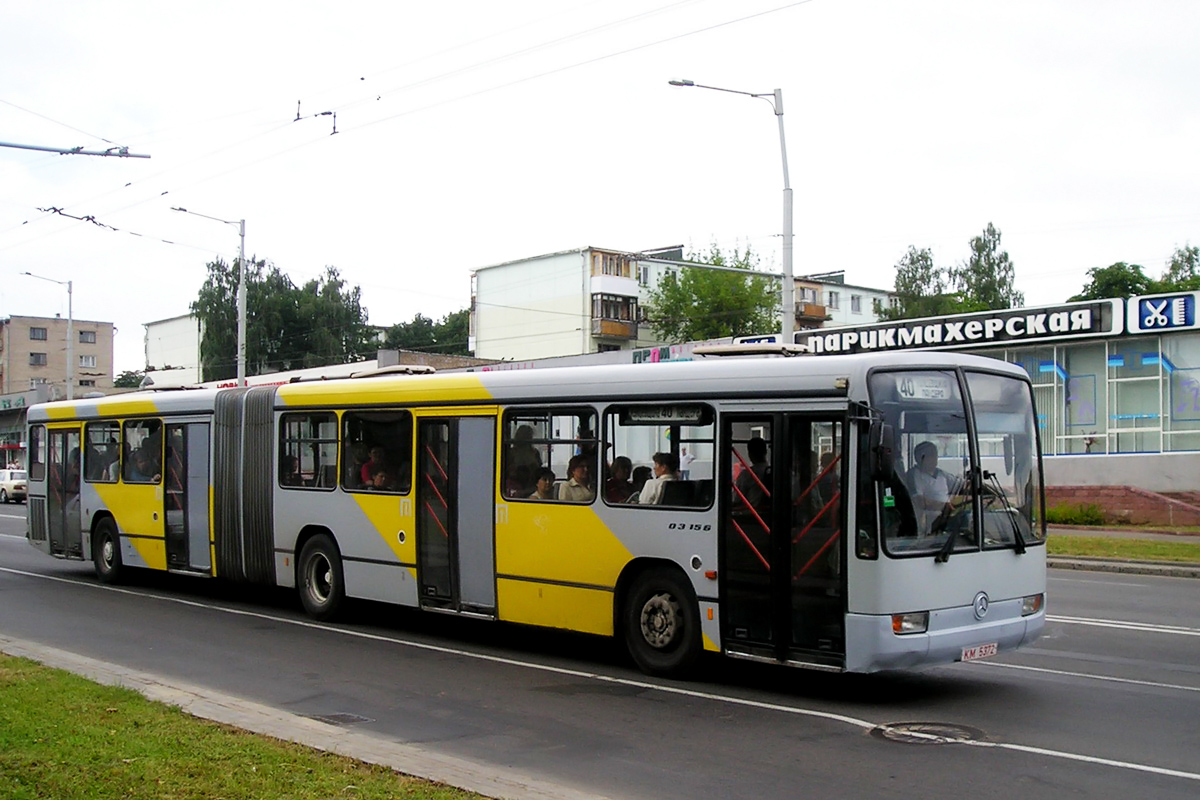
pixel 882 444
pixel 1008 455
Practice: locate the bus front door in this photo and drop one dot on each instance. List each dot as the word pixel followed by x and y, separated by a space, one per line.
pixel 455 486
pixel 782 586
pixel 62 493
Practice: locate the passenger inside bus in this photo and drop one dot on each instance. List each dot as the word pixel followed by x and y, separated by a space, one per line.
pixel 358 457
pixel 578 487
pixel 289 471
pixel 638 482
pixel 376 463
pixel 618 487
pixel 666 469
pixel 545 485
pixel 753 484
pixel 143 467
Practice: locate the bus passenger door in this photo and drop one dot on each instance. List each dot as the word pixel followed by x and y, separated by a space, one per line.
pixel 185 497
pixel 62 492
pixel 455 486
pixel 781 538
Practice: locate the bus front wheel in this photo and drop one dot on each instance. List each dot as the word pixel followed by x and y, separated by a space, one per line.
pixel 106 551
pixel 322 587
pixel 662 623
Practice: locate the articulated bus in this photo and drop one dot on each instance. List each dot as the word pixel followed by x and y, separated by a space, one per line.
pixel 843 513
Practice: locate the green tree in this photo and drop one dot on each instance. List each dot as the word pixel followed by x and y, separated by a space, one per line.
pixel 986 277
pixel 1183 270
pixel 287 327
pixel 693 304
pixel 449 335
pixel 921 288
pixel 1116 280
pixel 129 379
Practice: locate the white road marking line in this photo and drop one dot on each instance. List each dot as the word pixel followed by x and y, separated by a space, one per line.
pixel 1111 679
pixel 1144 627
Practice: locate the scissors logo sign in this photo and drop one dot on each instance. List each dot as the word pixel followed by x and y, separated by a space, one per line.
pixel 1167 312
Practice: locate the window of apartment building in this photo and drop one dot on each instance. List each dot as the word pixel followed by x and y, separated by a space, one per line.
pixel 834 299
pixel 37 334
pixel 856 304
pixel 611 306
pixel 644 275
pixel 37 359
pixel 808 295
pixel 87 361
pixel 610 264
pixel 87 337
pixel 87 383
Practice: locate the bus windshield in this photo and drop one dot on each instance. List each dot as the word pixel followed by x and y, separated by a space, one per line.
pixel 965 471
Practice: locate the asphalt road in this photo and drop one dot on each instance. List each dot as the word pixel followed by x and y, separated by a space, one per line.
pixel 1106 705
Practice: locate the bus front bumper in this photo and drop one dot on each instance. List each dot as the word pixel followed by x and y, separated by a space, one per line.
pixel 954 634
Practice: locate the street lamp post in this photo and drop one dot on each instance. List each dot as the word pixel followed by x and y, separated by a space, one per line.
pixel 241 290
pixel 775 98
pixel 70 332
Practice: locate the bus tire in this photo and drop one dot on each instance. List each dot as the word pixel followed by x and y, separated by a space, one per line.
pixel 106 551
pixel 322 587
pixel 662 623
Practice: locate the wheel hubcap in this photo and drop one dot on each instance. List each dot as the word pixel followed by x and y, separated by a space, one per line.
pixel 320 578
pixel 106 552
pixel 660 620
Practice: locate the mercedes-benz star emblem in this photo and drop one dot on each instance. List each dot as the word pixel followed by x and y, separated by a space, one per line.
pixel 981 605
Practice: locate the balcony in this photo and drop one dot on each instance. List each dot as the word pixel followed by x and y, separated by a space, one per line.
pixel 614 329
pixel 812 313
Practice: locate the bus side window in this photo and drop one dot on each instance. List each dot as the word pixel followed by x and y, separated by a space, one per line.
pixel 37 453
pixel 308 450
pixel 379 451
pixel 556 439
pixel 101 452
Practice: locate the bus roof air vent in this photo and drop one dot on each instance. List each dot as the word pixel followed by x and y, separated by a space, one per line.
pixel 398 369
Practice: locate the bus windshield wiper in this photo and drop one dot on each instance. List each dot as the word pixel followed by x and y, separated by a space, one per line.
pixel 1009 511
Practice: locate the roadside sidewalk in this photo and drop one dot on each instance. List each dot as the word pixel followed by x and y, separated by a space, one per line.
pixel 1173 570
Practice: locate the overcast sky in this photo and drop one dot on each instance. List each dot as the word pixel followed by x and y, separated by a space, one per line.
pixel 471 133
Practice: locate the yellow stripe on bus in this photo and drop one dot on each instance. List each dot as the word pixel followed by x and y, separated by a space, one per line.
pixel 114 406
pixel 372 391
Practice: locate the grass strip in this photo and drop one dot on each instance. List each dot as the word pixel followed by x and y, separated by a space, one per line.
pixel 1123 549
pixel 66 738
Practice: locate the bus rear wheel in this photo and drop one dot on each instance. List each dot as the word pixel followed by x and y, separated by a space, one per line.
pixel 106 551
pixel 322 587
pixel 662 623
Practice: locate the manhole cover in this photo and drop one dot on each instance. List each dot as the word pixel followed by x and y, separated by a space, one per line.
pixel 340 719
pixel 927 733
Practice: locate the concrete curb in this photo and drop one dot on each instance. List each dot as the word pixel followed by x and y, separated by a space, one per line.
pixel 1128 567
pixel 485 779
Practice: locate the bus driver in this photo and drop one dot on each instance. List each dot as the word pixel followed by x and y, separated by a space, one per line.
pixel 931 487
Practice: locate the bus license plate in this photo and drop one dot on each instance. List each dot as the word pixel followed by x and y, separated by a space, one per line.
pixel 978 651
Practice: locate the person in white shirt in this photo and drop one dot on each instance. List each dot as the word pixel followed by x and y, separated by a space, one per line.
pixel 578 487
pixel 931 486
pixel 666 469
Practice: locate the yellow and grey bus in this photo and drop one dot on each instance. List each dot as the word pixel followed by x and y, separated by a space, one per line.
pixel 792 513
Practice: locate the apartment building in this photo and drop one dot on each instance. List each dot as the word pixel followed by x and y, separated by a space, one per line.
pixel 34 351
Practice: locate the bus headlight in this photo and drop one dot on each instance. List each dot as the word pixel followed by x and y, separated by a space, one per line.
pixel 1031 604
pixel 915 622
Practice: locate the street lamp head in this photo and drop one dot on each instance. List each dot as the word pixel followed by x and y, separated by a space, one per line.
pixel 681 82
pixel 176 208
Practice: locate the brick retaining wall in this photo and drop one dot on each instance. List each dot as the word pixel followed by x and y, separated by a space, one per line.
pixel 1127 504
